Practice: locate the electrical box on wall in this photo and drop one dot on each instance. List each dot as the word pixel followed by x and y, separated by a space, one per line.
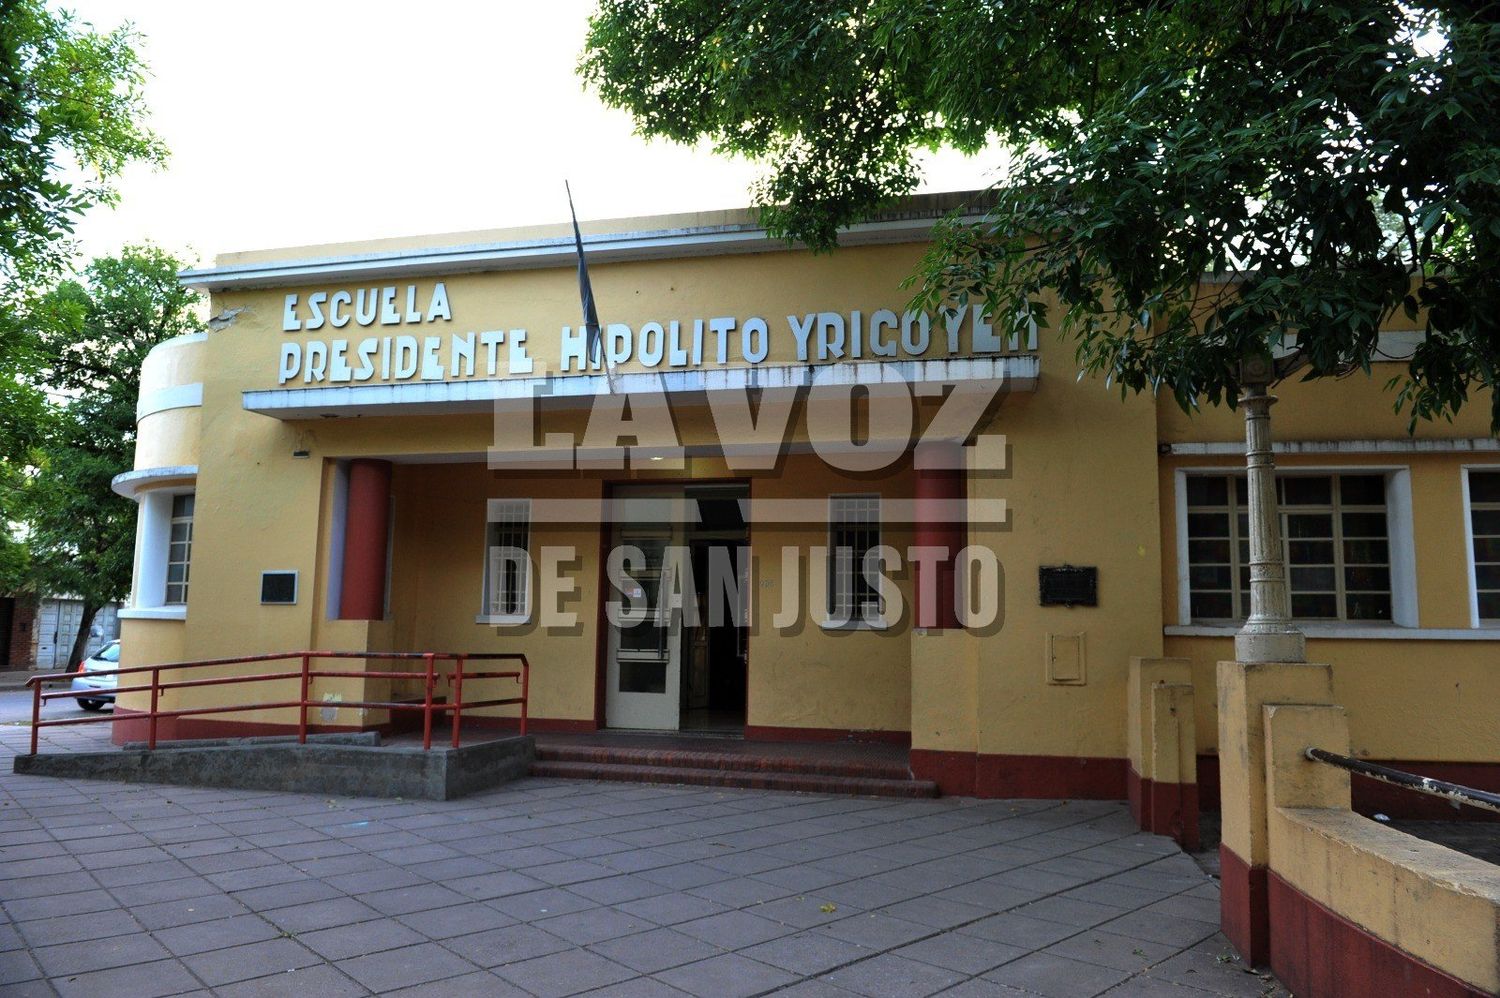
pixel 278 588
pixel 1066 664
pixel 1068 585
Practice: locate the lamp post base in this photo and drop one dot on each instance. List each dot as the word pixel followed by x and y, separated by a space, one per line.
pixel 1270 643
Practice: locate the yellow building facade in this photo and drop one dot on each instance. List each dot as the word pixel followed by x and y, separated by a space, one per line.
pixel 916 529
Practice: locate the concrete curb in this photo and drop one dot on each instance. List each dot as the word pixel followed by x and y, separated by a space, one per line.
pixel 322 768
pixel 328 738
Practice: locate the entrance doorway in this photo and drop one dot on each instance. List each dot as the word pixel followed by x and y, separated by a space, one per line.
pixel 677 590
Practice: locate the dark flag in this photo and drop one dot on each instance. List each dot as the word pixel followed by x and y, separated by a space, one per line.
pixel 585 290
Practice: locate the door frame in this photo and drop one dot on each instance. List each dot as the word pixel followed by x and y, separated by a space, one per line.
pixel 606 534
pixel 660 523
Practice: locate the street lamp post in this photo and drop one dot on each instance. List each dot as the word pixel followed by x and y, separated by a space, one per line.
pixel 1268 634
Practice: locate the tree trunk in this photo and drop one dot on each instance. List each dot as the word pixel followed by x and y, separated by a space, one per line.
pixel 81 639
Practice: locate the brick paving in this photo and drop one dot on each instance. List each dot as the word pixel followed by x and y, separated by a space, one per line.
pixel 558 887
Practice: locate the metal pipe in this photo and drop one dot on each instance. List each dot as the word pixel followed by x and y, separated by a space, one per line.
pixel 274 656
pixel 90 694
pixel 427 708
pixel 302 710
pixel 1453 792
pixel 488 703
pixel 189 712
pixel 525 692
pixel 155 697
pixel 36 713
pixel 458 698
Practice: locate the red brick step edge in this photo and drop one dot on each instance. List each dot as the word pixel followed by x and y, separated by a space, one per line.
pixel 674 758
pixel 749 779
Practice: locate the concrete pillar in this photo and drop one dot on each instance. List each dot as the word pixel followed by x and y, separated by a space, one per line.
pixel 1162 747
pixel 367 514
pixel 1174 764
pixel 1292 779
pixel 1245 689
pixel 942 527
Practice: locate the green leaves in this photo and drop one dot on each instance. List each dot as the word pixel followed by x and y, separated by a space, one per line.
pixel 1246 177
pixel 89 337
pixel 72 114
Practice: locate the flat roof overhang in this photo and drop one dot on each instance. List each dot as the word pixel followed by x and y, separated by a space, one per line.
pixel 1015 373
pixel 534 254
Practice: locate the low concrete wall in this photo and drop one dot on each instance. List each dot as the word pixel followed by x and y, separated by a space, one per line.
pixel 339 769
pixel 1243 689
pixel 1338 905
pixel 1356 907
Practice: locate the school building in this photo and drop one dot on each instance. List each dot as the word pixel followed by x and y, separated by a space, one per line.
pixel 784 508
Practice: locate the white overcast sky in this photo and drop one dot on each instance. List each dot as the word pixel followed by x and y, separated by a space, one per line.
pixel 308 122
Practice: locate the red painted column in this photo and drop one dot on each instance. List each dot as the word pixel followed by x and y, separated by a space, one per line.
pixel 367 514
pixel 942 523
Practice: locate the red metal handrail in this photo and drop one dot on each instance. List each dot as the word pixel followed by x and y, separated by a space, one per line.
pixel 306 674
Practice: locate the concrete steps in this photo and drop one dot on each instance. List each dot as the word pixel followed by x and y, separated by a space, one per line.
pixel 741 769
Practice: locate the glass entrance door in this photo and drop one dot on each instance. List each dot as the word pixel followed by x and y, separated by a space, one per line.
pixel 644 674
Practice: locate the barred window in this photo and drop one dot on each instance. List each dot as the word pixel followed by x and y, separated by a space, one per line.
pixel 179 548
pixel 508 562
pixel 1335 541
pixel 1484 524
pixel 853 531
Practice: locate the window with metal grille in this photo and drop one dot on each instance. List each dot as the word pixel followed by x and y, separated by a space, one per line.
pixel 179 547
pixel 853 531
pixel 1335 541
pixel 507 567
pixel 1484 524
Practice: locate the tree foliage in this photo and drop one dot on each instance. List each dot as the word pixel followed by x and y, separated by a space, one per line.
pixel 72 114
pixel 1191 183
pixel 91 337
pixel 71 118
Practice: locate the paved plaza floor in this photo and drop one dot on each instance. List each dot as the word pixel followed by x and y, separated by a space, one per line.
pixel 559 887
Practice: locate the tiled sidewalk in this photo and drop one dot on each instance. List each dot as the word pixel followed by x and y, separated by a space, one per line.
pixel 560 887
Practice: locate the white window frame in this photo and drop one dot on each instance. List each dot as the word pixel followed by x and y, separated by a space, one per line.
pixel 153 538
pixel 858 621
pixel 1398 517
pixel 1475 620
pixel 499 512
pixel 172 521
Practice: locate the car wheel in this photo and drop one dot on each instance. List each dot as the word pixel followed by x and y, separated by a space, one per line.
pixel 91 704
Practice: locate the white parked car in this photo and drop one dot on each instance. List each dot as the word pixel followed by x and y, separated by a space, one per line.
pixel 96 674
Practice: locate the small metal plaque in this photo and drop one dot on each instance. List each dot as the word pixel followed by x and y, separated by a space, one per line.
pixel 1068 585
pixel 278 588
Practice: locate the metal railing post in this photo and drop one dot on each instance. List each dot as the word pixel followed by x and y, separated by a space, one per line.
pixel 458 698
pixel 36 710
pixel 302 710
pixel 151 724
pixel 427 705
pixel 525 692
